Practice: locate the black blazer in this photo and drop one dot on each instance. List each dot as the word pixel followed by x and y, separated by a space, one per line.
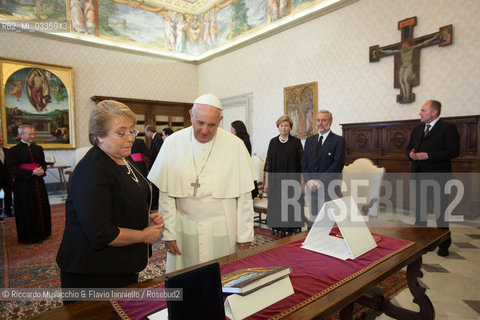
pixel 330 160
pixel 442 144
pixel 4 174
pixel 155 146
pixel 102 198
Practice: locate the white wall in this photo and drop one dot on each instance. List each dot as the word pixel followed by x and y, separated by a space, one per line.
pixel 333 50
pixel 104 72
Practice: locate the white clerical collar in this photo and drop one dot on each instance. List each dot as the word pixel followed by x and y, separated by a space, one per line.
pixel 432 123
pixel 27 143
pixel 325 135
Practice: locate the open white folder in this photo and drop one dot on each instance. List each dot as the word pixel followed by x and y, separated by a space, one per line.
pixel 356 240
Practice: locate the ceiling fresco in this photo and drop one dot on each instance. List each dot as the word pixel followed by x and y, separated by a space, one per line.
pixel 189 30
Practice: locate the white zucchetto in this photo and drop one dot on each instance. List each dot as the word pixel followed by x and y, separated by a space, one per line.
pixel 209 99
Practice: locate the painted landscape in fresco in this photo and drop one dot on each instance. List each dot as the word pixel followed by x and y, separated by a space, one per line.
pixel 239 17
pixel 34 10
pixel 126 23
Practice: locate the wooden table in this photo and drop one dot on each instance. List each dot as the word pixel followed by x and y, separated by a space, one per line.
pixel 61 175
pixel 341 298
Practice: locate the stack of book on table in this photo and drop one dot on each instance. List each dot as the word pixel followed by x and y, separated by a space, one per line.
pixel 255 289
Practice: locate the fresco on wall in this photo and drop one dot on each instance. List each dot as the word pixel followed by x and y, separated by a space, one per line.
pixel 84 16
pixel 126 23
pixel 162 29
pixel 194 33
pixel 175 31
pixel 34 10
pixel 257 13
pixel 239 17
pixel 210 30
pixel 278 9
pixel 300 3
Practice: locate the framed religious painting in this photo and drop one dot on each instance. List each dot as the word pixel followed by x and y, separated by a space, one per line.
pixel 40 95
pixel 301 105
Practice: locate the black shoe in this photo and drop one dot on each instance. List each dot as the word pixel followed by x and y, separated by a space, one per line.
pixel 443 252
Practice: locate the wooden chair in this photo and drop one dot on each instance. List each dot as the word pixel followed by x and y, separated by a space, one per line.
pixel 363 180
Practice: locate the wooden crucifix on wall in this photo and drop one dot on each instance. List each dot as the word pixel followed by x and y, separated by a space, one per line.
pixel 407 56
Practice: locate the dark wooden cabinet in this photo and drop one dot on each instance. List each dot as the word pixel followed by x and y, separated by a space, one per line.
pixel 161 114
pixel 385 143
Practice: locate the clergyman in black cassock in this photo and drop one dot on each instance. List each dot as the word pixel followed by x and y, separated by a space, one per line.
pixel 5 181
pixel 139 150
pixel 32 209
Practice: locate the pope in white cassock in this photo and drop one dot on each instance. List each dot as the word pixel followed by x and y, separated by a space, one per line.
pixel 205 176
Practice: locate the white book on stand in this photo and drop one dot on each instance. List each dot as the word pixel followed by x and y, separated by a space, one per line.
pixel 50 159
pixel 357 238
pixel 241 306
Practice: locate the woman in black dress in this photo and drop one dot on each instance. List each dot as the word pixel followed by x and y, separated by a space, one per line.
pixel 283 164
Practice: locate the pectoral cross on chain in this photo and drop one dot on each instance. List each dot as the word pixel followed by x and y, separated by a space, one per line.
pixel 195 186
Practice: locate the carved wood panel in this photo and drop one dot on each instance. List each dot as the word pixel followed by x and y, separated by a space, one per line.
pixel 385 143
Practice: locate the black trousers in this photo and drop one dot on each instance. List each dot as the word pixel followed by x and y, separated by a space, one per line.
pixel 430 194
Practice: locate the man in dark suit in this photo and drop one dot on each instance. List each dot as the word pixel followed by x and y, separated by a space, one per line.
pixel 155 145
pixel 166 132
pixel 5 181
pixel 322 162
pixel 432 145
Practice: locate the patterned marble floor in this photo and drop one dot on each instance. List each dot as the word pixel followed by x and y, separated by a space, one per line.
pixel 452 282
pixel 57 198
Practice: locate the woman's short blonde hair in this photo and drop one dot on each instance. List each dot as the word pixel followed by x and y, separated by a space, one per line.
pixel 101 117
pixel 285 118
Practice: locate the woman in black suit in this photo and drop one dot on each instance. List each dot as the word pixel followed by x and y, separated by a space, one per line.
pixel 108 228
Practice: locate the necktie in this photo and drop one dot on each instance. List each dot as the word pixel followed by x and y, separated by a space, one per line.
pixel 427 131
pixel 319 144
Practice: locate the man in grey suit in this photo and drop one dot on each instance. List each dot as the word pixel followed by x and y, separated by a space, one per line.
pixel 322 162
